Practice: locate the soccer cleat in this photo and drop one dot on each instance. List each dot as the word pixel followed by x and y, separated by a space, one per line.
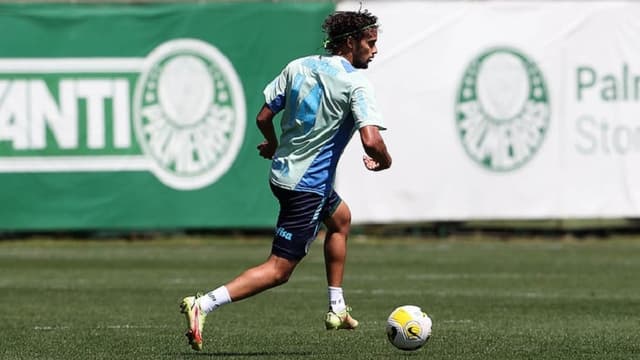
pixel 195 321
pixel 340 320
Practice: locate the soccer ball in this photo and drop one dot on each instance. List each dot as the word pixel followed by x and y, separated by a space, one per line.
pixel 408 327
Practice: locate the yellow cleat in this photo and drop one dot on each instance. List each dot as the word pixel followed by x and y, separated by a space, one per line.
pixel 195 321
pixel 340 320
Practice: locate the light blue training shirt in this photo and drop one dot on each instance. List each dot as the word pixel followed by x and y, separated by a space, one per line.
pixel 325 100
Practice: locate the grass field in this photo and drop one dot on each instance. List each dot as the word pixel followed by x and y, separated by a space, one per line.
pixel 67 299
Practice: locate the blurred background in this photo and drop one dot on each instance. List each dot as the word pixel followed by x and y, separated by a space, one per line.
pixel 137 117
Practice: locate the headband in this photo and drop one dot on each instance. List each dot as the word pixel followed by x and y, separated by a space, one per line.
pixel 327 41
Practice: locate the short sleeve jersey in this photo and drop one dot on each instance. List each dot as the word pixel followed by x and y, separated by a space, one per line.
pixel 324 100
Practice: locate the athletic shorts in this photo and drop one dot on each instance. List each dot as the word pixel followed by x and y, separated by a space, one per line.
pixel 299 220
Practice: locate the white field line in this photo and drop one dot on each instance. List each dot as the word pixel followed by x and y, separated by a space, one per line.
pixel 476 293
pixel 49 328
pixel 101 327
pixel 443 276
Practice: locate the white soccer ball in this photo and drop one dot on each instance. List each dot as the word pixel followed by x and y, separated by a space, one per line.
pixel 408 327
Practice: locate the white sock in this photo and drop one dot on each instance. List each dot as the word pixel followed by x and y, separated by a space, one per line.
pixel 214 299
pixel 336 299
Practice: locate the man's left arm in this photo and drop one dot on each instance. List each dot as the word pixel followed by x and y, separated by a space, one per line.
pixel 377 157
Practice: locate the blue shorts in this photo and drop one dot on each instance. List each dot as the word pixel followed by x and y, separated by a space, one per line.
pixel 299 220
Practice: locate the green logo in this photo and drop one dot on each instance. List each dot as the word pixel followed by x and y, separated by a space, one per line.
pixel 502 109
pixel 189 113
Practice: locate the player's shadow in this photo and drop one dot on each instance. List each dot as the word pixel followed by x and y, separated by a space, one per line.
pixel 251 353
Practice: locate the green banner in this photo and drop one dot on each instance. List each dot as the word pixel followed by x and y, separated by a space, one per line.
pixel 141 116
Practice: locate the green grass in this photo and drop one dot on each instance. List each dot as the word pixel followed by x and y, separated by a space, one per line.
pixel 488 300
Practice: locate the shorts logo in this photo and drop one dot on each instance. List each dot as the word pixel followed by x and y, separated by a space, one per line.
pixel 502 109
pixel 281 232
pixel 178 113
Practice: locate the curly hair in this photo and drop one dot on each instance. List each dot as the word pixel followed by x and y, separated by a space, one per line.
pixel 342 24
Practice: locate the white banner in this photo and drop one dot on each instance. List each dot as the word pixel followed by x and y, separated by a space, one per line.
pixel 502 110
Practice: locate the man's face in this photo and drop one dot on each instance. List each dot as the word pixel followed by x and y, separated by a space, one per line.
pixel 365 49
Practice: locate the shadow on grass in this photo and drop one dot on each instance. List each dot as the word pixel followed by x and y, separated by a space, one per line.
pixel 248 353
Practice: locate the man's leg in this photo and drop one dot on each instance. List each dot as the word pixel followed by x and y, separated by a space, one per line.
pixel 335 254
pixel 335 244
pixel 295 229
pixel 274 271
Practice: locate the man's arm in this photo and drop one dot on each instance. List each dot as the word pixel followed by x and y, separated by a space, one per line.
pixel 264 120
pixel 377 157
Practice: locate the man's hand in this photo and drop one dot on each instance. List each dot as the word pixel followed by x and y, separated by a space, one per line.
pixel 371 164
pixel 377 157
pixel 267 149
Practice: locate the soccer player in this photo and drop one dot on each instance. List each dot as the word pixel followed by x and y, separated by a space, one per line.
pixel 324 100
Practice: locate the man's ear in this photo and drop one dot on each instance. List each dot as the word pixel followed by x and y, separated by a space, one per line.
pixel 351 42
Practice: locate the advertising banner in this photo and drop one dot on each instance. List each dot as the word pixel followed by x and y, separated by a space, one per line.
pixel 141 116
pixel 503 110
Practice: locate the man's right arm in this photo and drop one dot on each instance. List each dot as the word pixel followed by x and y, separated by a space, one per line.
pixel 378 157
pixel 264 121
